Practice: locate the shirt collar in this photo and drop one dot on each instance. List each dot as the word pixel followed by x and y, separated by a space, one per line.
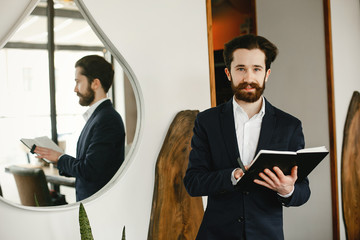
pixel 237 107
pixel 92 108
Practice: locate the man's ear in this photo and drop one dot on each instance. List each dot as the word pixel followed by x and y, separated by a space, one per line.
pixel 95 84
pixel 267 74
pixel 227 72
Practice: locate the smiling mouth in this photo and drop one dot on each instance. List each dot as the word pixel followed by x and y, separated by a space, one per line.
pixel 249 88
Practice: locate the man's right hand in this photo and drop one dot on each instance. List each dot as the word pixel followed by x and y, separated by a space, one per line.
pixel 239 172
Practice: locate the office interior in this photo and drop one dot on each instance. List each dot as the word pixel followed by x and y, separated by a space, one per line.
pixel 165 55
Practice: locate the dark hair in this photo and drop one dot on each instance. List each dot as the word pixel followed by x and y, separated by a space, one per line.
pixel 94 66
pixel 250 42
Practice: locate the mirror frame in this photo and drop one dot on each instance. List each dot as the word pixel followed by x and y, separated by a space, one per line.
pixel 138 98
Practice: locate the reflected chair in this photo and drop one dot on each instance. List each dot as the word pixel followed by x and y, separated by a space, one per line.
pixel 32 186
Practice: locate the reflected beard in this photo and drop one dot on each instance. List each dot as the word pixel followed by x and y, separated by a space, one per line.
pixel 241 94
pixel 87 98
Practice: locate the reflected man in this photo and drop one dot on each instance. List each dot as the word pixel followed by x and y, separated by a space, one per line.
pixel 229 136
pixel 101 144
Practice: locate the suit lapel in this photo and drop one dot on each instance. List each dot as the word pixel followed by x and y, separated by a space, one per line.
pixel 229 132
pixel 84 133
pixel 267 127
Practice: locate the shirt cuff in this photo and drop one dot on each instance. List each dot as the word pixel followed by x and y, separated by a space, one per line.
pixel 287 195
pixel 233 180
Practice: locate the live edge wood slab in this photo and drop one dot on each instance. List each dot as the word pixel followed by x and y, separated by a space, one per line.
pixel 350 169
pixel 174 214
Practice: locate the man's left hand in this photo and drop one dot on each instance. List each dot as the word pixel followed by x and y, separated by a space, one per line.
pixel 47 153
pixel 280 183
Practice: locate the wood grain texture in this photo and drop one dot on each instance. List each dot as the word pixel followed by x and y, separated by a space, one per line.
pixel 211 54
pixel 350 169
pixel 175 215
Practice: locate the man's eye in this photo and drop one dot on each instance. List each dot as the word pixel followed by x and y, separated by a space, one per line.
pixel 257 69
pixel 241 69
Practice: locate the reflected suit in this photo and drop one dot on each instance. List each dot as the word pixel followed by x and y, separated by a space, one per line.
pixel 99 153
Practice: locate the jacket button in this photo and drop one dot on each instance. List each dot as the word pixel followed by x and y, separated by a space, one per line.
pixel 241 219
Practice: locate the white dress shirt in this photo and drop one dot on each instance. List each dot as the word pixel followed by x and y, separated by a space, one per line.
pixel 247 131
pixel 247 135
pixel 92 108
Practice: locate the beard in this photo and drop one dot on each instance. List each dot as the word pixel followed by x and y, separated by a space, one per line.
pixel 87 98
pixel 241 94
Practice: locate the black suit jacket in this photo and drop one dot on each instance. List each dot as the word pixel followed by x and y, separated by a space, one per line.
pixel 99 153
pixel 246 209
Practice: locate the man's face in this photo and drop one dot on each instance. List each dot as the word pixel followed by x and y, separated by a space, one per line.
pixel 248 74
pixel 83 89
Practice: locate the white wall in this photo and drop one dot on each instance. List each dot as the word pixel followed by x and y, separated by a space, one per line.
pixel 297 84
pixel 346 50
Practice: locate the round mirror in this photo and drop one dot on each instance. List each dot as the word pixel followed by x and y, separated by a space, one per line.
pixel 39 108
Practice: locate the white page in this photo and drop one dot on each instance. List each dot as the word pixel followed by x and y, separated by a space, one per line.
pixel 42 142
pixel 314 149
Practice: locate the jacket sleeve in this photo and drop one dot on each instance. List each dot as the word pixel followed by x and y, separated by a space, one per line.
pixel 105 145
pixel 201 178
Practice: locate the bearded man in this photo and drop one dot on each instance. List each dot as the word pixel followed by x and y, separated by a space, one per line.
pixel 100 148
pixel 226 139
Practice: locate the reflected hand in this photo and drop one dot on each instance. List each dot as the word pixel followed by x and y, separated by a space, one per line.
pixel 280 183
pixel 47 153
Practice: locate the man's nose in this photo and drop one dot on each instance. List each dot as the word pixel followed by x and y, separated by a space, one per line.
pixel 248 76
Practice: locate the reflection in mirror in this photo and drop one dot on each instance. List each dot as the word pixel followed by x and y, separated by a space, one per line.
pixel 25 106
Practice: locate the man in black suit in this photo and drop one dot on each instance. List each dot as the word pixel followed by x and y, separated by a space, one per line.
pixel 100 148
pixel 229 136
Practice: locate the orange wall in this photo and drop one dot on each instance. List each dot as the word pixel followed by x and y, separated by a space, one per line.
pixel 230 18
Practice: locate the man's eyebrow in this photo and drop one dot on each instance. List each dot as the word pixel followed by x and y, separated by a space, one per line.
pixel 258 66
pixel 240 65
